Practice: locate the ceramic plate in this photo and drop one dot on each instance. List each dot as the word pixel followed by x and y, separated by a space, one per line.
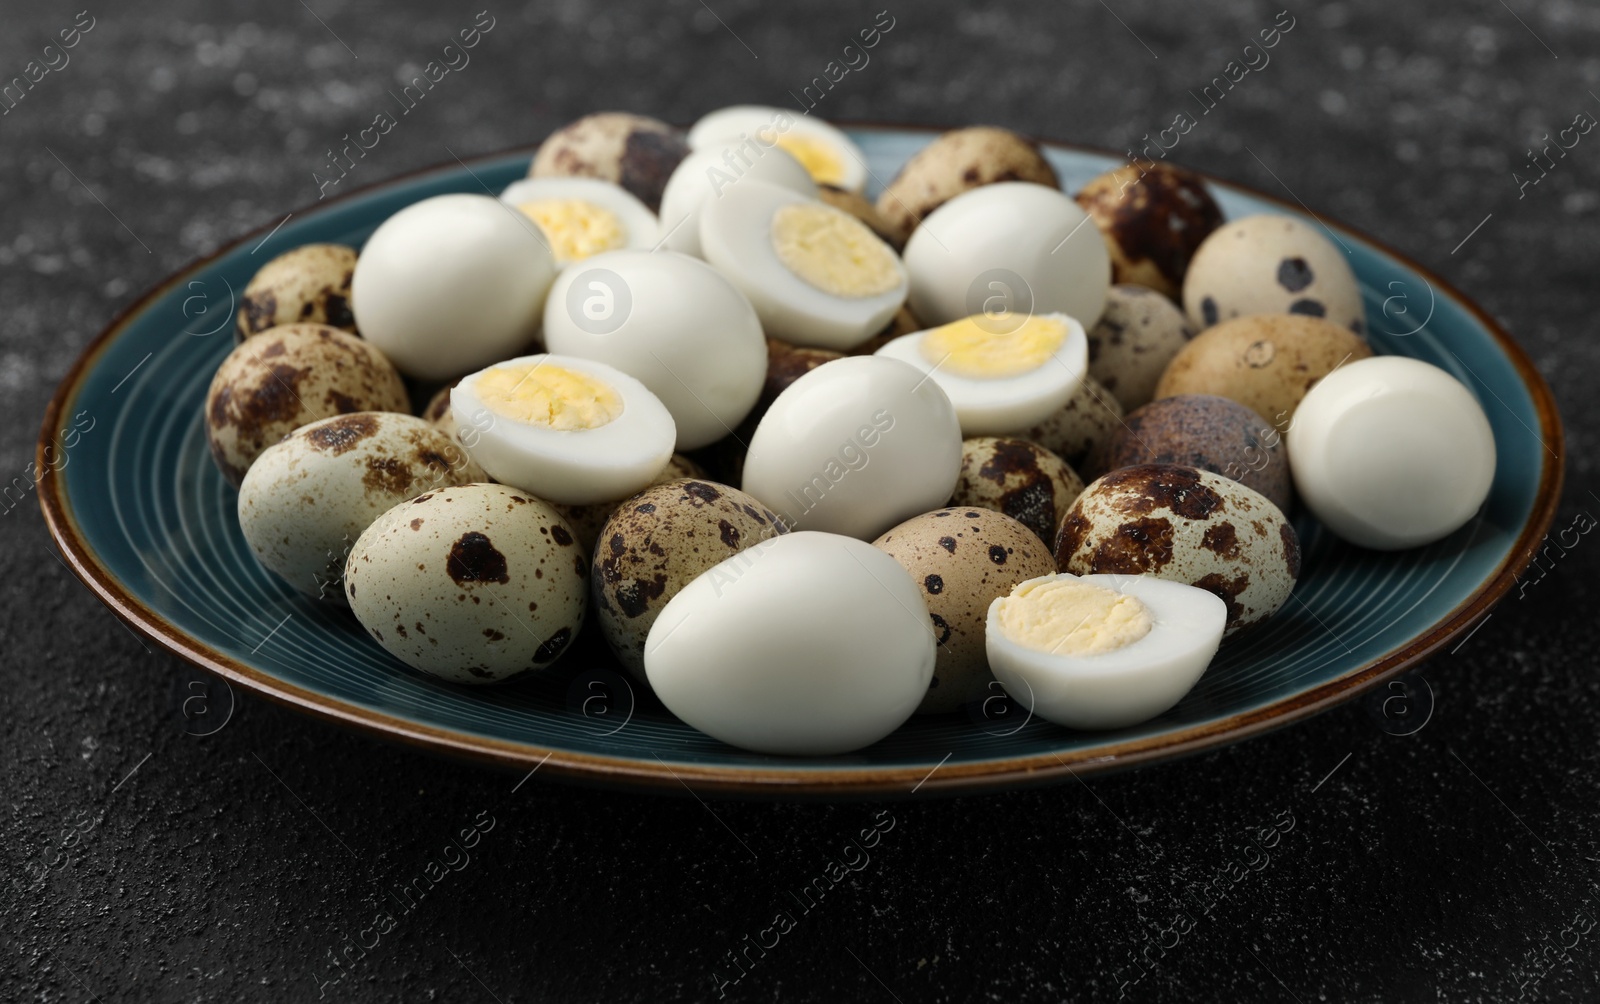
pixel 148 523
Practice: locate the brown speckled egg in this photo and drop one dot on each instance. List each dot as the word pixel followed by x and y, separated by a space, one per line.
pixel 964 559
pixel 1019 478
pixel 634 151
pixel 1204 431
pixel 956 162
pixel 1084 422
pixel 1188 526
pixel 306 499
pixel 1272 264
pixel 281 379
pixel 904 322
pixel 472 584
pixel 858 206
pixel 656 543
pixel 588 520
pixel 1134 340
pixel 1266 362
pixel 1153 215
pixel 309 284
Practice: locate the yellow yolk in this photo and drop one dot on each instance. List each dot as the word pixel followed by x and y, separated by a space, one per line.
pixel 818 158
pixel 833 251
pixel 1067 617
pixel 549 396
pixel 576 229
pixel 966 348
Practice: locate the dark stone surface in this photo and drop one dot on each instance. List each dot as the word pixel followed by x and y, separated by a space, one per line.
pixel 1436 866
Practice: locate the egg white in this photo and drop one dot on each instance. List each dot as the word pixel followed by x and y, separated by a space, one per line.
pixel 641 225
pixel 727 126
pixel 706 175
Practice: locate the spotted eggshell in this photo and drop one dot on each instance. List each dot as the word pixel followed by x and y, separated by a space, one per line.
pixel 306 499
pixel 1153 216
pixel 659 540
pixel 1085 421
pixel 956 162
pixel 1019 478
pixel 1134 340
pixel 309 284
pixel 1271 265
pixel 1204 431
pixel 472 584
pixel 964 559
pixel 1266 362
pixel 588 520
pixel 1188 526
pixel 289 376
pixel 633 151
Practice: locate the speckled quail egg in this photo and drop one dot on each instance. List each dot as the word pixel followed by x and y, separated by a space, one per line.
pixel 656 543
pixel 963 559
pixel 309 284
pixel 472 584
pixel 306 500
pixel 1134 341
pixel 1188 526
pixel 283 378
pixel 1204 431
pixel 634 151
pixel 587 520
pixel 956 162
pixel 861 208
pixel 1083 424
pixel 1153 215
pixel 1266 362
pixel 437 410
pixel 1271 264
pixel 1019 478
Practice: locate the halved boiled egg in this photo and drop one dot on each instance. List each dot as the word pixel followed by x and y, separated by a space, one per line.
pixel 815 274
pixel 706 175
pixel 565 429
pixel 830 156
pixel 582 217
pixel 1001 376
pixel 1102 651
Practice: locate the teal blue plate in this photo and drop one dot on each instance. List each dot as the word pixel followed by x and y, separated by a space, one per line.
pixel 148 523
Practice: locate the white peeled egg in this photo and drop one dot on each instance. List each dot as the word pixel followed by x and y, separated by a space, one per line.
pixel 706 175
pixel 565 429
pixel 583 217
pixel 1000 379
pixel 830 156
pixel 672 322
pixel 1391 452
pixel 816 275
pixel 806 643
pixel 1012 247
pixel 855 446
pixel 451 283
pixel 1065 664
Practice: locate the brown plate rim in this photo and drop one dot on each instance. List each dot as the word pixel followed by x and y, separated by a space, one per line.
pixel 673 776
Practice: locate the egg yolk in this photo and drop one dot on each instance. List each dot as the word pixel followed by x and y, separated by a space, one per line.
pixel 818 158
pixel 552 397
pixel 833 251
pixel 966 348
pixel 576 229
pixel 1069 617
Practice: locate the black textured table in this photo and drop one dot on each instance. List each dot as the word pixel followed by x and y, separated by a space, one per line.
pixel 1461 862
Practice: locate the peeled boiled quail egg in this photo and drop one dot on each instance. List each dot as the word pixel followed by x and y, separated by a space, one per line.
pixel 828 155
pixel 1015 247
pixel 582 217
pixel 1000 377
pixel 673 323
pixel 452 283
pixel 1391 452
pixel 1102 651
pixel 706 175
pixel 816 275
pixel 806 643
pixel 854 447
pixel 564 429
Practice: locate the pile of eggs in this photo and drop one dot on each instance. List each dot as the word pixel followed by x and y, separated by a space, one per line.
pixel 975 442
